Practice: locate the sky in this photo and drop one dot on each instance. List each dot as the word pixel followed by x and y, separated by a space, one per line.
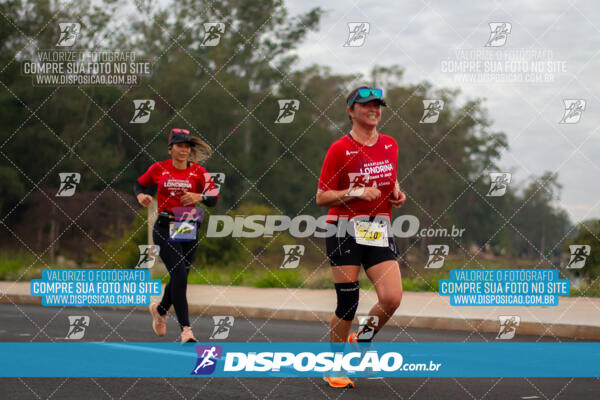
pixel 429 39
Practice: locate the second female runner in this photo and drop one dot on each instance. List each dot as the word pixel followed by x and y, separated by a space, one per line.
pixel 181 184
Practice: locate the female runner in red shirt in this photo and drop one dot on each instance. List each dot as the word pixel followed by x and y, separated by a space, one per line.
pixel 358 181
pixel 181 183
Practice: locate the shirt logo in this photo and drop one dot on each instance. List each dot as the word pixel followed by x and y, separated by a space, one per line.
pixel 387 146
pixel 349 153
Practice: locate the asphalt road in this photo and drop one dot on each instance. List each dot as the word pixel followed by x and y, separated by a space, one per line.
pixel 44 324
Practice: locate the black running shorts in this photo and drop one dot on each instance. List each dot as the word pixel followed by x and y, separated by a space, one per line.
pixel 345 251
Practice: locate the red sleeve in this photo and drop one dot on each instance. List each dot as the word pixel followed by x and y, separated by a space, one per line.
pixel 331 170
pixel 148 178
pixel 200 179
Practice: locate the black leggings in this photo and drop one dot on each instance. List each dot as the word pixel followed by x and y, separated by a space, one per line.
pixel 178 257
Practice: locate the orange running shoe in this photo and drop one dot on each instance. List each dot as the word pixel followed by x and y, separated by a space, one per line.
pixel 339 382
pixel 353 337
pixel 187 335
pixel 159 322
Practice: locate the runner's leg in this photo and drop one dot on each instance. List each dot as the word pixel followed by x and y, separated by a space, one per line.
pixel 387 280
pixel 173 255
pixel 189 251
pixel 339 328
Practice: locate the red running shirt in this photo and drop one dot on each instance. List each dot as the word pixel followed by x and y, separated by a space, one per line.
pixel 351 164
pixel 173 183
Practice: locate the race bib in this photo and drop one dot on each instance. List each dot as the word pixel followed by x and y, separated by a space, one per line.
pixel 371 233
pixel 181 231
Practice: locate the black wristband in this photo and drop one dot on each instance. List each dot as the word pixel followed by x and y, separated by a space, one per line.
pixel 210 201
pixel 137 188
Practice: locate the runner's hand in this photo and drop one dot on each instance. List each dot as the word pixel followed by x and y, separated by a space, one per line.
pixel 191 198
pixel 144 199
pixel 397 198
pixel 370 194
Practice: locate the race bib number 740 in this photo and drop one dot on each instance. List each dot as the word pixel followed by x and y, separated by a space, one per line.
pixel 371 233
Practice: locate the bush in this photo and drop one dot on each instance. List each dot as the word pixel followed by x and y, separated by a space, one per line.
pixel 281 279
pixel 229 250
pixel 122 251
pixel 19 265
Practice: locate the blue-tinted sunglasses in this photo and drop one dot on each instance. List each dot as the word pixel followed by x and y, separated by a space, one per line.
pixel 364 93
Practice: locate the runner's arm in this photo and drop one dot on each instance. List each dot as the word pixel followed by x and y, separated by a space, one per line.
pixel 138 189
pixel 330 198
pixel 210 201
pixel 397 197
pixel 190 198
pixel 142 198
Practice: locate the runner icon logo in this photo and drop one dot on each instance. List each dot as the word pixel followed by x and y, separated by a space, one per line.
pixel 142 109
pixel 185 226
pixel 223 324
pixel 366 327
pixel 77 325
pixel 498 34
pixel 69 32
pixel 358 182
pixel 574 108
pixel 213 182
pixel 498 183
pixel 431 111
pixel 148 255
pixel 579 255
pixel 287 111
pixel 68 183
pixel 437 255
pixel 508 326
pixel 213 32
pixel 189 214
pixel 291 256
pixel 207 359
pixel 357 34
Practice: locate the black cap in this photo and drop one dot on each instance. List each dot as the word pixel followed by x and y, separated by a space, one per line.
pixel 180 136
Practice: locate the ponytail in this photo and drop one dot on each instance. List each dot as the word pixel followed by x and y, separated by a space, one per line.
pixel 200 151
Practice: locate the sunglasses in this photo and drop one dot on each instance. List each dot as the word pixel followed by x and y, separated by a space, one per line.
pixel 365 92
